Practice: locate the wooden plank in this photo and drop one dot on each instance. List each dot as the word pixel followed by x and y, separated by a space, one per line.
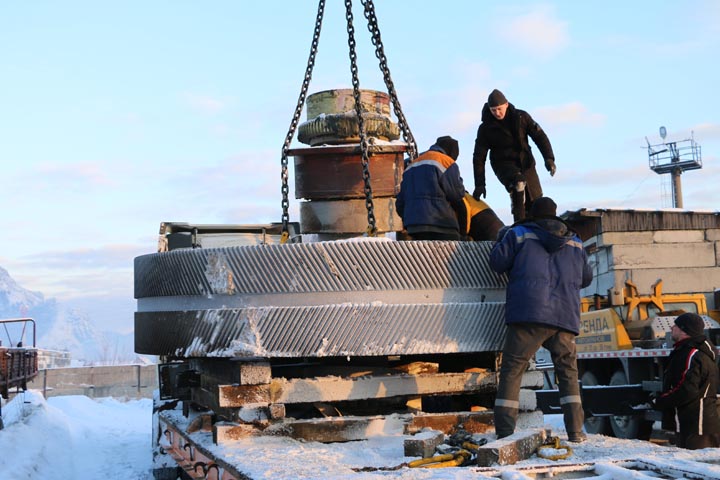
pixel 333 389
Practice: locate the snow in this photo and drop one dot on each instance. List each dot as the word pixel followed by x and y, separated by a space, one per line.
pixel 75 437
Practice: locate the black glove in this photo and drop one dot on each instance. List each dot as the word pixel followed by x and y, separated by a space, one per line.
pixel 550 166
pixel 479 191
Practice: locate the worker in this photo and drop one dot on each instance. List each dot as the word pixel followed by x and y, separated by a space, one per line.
pixel 688 400
pixel 477 220
pixel 546 267
pixel 504 132
pixel 430 191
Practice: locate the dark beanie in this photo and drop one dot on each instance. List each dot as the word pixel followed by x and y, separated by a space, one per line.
pixel 450 145
pixel 691 323
pixel 543 207
pixel 496 98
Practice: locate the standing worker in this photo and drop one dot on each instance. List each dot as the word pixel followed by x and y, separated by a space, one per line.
pixel 504 132
pixel 430 191
pixel 546 267
pixel 690 386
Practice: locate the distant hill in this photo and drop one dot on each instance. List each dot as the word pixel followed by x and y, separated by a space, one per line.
pixel 60 327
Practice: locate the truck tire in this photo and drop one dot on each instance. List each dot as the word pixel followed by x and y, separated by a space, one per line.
pixel 596 425
pixel 628 426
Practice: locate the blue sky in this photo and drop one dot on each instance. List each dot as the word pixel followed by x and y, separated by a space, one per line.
pixel 117 116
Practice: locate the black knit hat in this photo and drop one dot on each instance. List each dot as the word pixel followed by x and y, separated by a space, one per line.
pixel 496 98
pixel 543 207
pixel 450 145
pixel 691 323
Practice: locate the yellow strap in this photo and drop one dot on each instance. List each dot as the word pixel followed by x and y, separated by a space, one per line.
pixel 554 442
pixel 440 461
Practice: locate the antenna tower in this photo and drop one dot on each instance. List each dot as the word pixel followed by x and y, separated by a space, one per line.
pixel 674 158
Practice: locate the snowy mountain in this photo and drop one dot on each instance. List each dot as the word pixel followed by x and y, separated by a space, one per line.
pixel 60 327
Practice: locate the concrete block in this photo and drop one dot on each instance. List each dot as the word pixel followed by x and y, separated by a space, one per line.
pixel 528 400
pixel 622 238
pixel 712 234
pixel 678 236
pixel 676 255
pixel 675 280
pixel 509 450
pixel 255 373
pixel 423 444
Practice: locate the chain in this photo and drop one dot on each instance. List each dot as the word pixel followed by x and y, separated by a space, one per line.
pixel 296 119
pixel 380 54
pixel 372 229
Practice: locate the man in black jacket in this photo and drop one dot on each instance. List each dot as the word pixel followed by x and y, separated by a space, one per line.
pixel 504 132
pixel 690 386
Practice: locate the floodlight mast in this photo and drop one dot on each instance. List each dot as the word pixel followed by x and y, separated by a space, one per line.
pixel 674 158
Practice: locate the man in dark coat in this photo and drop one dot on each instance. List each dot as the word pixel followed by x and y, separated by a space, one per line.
pixel 504 132
pixel 690 386
pixel 430 190
pixel 546 266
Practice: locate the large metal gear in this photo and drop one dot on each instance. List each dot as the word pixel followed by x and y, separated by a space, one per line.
pixel 323 299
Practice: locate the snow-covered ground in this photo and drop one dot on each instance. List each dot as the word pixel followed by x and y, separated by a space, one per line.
pixel 75 437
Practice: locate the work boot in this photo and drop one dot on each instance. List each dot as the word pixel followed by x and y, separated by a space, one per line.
pixel 576 437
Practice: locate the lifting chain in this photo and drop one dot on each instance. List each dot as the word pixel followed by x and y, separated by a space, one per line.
pixel 380 54
pixel 369 12
pixel 371 229
pixel 295 120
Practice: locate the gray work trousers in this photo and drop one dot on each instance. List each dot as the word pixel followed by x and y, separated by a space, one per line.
pixel 521 343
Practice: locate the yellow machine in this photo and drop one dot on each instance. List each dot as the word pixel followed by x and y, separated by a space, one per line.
pixel 626 320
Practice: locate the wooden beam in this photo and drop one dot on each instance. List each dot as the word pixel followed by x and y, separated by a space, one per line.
pixel 334 389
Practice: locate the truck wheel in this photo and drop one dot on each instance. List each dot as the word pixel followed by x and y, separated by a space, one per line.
pixel 628 426
pixel 598 425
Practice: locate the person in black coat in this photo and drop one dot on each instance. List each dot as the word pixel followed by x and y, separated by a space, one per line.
pixel 690 386
pixel 430 191
pixel 504 133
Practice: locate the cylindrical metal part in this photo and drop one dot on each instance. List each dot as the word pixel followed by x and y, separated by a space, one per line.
pixel 341 100
pixel 329 173
pixel 348 216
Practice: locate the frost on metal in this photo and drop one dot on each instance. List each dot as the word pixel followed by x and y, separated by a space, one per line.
pixel 218 274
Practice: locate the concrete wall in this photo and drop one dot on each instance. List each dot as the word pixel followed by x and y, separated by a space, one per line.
pixel 130 381
pixel 687 261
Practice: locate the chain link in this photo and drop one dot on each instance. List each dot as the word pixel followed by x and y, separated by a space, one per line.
pixel 369 9
pixel 372 229
pixel 296 119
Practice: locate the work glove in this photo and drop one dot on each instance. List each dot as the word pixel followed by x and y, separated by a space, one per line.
pixel 550 166
pixel 479 191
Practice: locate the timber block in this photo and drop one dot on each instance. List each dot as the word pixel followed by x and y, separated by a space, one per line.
pixel 276 411
pixel 519 446
pixel 228 432
pixel 256 373
pixel 423 444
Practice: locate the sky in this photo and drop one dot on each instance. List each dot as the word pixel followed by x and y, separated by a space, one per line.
pixel 76 437
pixel 115 117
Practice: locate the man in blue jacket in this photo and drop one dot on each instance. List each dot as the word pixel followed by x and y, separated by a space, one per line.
pixel 431 187
pixel 546 267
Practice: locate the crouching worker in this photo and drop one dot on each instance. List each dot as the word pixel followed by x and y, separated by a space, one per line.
pixel 430 192
pixel 690 384
pixel 477 220
pixel 546 267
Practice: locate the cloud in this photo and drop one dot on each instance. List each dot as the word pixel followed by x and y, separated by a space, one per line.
pixel 66 177
pixel 206 103
pixel 574 113
pixel 538 32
